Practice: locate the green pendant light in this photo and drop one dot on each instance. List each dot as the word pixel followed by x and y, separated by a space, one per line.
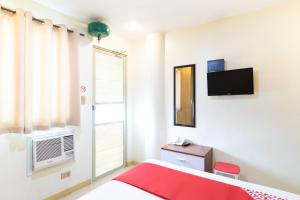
pixel 98 29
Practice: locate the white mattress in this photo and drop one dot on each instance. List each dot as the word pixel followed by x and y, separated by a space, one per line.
pixel 115 190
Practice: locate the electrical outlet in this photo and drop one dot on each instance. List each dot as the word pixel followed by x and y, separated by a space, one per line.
pixel 65 175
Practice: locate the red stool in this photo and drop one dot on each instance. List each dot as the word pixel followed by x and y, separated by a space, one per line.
pixel 227 169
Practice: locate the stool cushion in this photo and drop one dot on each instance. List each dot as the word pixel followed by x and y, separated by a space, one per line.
pixel 227 168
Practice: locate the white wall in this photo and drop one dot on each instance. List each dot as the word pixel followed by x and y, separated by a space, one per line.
pixel 44 13
pixel 153 115
pixel 146 83
pixel 14 184
pixel 136 99
pixel 260 132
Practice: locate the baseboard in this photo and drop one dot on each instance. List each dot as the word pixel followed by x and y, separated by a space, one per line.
pixel 69 190
pixel 132 163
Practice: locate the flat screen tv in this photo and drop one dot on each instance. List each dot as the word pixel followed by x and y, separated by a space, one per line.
pixel 230 82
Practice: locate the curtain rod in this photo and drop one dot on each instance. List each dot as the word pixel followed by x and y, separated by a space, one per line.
pixel 38 20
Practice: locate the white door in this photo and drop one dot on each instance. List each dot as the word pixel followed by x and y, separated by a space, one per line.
pixel 109 111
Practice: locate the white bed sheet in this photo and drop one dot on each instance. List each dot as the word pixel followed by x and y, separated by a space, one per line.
pixel 115 190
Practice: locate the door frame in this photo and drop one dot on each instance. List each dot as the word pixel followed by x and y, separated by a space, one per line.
pixel 97 49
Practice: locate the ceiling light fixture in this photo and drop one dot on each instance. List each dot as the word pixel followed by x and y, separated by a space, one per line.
pixel 134 26
pixel 98 29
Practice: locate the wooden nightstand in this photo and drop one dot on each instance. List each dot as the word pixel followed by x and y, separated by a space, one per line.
pixel 193 156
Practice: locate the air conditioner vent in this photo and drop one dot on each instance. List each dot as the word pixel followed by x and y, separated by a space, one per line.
pixel 51 149
pixel 48 149
pixel 68 143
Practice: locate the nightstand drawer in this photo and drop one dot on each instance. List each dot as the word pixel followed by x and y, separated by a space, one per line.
pixel 182 159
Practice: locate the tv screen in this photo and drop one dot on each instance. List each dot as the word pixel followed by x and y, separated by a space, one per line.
pixel 230 82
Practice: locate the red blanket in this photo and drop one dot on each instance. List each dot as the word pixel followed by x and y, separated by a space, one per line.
pixel 175 185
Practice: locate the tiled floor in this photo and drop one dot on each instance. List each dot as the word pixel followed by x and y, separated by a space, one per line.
pixel 95 184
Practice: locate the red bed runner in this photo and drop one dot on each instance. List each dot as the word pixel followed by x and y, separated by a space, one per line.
pixel 176 185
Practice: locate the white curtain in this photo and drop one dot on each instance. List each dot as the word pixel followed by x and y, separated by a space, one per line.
pixel 39 73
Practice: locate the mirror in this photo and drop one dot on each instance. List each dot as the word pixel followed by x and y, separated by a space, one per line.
pixel 184 96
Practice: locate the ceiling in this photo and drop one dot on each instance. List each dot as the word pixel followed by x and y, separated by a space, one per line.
pixel 134 18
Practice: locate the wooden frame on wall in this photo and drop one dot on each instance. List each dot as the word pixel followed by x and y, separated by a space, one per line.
pixel 192 122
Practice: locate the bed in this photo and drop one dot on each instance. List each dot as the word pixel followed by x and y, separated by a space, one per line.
pixel 117 190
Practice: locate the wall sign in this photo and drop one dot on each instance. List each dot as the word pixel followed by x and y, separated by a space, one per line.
pixel 82 89
pixel 215 65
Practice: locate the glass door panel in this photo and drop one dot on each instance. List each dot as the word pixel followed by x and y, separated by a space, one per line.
pixel 109 112
pixel 109 147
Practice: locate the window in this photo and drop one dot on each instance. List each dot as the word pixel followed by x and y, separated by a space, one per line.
pixel 39 74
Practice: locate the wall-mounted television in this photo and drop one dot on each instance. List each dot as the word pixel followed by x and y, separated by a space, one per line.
pixel 230 82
